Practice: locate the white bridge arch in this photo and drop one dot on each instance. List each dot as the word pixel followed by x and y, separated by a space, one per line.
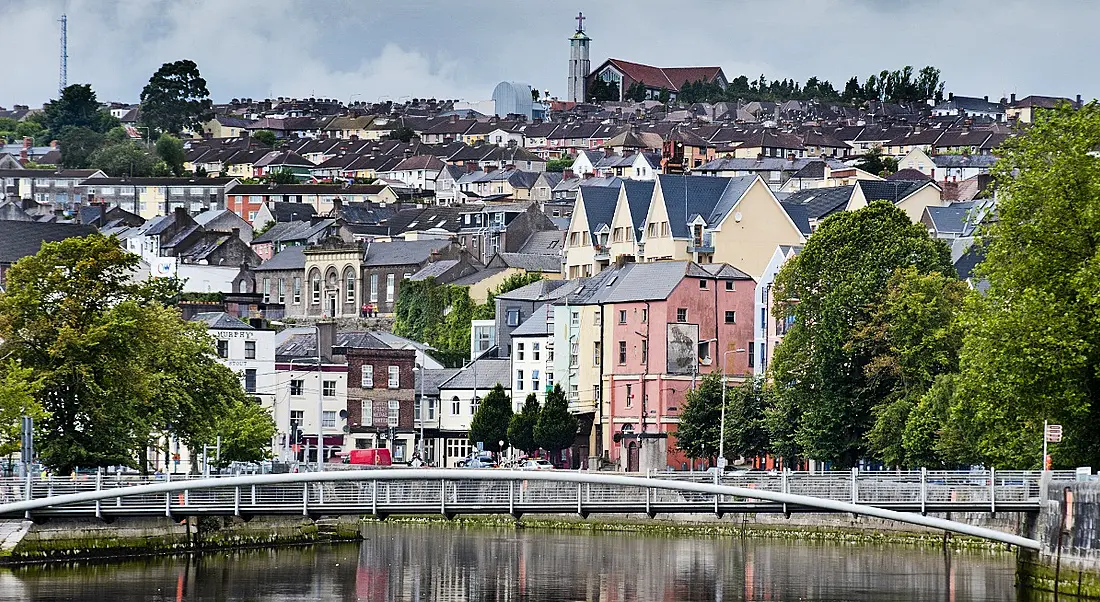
pixel 450 492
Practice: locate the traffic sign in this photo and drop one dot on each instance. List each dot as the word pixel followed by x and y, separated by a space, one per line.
pixel 1053 433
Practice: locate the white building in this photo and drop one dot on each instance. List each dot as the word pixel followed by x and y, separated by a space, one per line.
pixel 299 385
pixel 533 357
pixel 458 398
pixel 768 332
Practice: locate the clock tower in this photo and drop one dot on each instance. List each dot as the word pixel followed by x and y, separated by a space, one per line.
pixel 578 62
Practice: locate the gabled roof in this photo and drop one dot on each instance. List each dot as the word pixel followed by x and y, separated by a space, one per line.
pixel 663 77
pixel 542 290
pixel 820 202
pixel 536 325
pixel 894 190
pixel 639 194
pixel 289 212
pixel 290 258
pixel 482 374
pixel 685 196
pixel 799 216
pixel 219 320
pixel 599 205
pixel 528 262
pixel 735 189
pixel 20 239
pixel 402 252
pixel 543 242
pixel 655 280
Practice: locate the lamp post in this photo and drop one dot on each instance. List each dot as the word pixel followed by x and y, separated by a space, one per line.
pixel 722 422
pixel 423 415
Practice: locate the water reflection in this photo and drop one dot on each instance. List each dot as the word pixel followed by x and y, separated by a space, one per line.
pixel 404 563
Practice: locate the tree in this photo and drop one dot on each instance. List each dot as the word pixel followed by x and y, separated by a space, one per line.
pixel 910 338
pixel 246 429
pixel 698 432
pixel 1032 346
pixel 521 428
pixel 77 146
pixel 664 96
pixel 19 390
pixel 556 428
pixel 176 99
pixel 125 159
pixel 77 108
pixel 488 310
pixel 282 176
pixel 559 165
pixel 436 314
pixel 839 276
pixel 170 150
pixel 853 92
pixel 746 430
pixel 602 91
pixel 403 133
pixel 873 162
pixel 265 137
pixel 636 92
pixel 490 423
pixel 119 370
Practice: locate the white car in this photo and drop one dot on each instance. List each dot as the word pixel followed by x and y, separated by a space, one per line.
pixel 536 464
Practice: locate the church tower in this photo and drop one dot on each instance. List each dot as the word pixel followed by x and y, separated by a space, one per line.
pixel 578 62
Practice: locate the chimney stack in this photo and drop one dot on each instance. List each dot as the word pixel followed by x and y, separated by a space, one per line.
pixel 29 142
pixel 327 331
pixel 1012 98
pixel 567 174
pixel 1079 103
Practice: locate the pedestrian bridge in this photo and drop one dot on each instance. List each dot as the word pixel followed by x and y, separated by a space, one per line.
pixel 903 496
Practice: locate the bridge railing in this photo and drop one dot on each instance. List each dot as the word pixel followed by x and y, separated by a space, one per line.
pixel 883 488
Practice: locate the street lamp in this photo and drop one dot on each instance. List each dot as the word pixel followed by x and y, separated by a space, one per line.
pixel 722 422
pixel 423 414
pixel 320 395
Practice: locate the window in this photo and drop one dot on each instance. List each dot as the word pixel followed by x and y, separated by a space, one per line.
pixel 456 406
pixel 296 386
pixel 729 285
pixel 457 448
pixel 519 380
pixel 702 283
pixel 395 377
pixel 629 395
pixel 575 318
pixel 297 416
pixel 596 353
pixel 250 380
pixel 645 350
pixel 513 316
pixel 549 379
pixel 752 353
pixel 267 290
pixel 622 316
pixel 473 405
pixel 519 351
pixel 598 318
pixel 704 352
pixel 374 288
pixel 574 393
pixel 535 351
pixel 223 348
pixel 328 388
pixel 282 290
pixel 431 408
pixel 328 419
pixel 731 317
pixel 682 315
pixel 535 380
pixel 297 290
pixel 393 417
pixel 315 288
pixel 574 349
pixel 645 315
pixel 389 287
pixel 349 277
pixel 622 352
pixel 250 350
pixel 366 374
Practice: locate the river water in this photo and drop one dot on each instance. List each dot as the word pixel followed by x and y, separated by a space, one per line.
pixel 413 563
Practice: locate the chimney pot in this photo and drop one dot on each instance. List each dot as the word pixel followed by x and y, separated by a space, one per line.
pixel 986 97
pixel 1012 98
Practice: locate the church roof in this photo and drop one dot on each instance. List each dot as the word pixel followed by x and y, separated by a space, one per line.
pixel 664 77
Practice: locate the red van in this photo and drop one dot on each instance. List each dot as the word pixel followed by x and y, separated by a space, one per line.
pixel 377 456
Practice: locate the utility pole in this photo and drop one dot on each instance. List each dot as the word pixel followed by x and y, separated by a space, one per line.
pixel 63 77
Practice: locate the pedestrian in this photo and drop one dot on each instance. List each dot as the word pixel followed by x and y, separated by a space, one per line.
pixel 365 311
pixel 370 309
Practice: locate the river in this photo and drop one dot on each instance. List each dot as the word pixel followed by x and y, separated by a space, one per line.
pixel 413 563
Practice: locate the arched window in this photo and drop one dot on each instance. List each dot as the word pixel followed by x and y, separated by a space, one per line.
pixel 456 406
pixel 349 284
pixel 315 286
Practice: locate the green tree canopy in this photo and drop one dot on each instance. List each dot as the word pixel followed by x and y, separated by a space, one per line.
pixel 403 133
pixel 128 159
pixel 77 108
pixel 829 289
pixel 559 165
pixel 170 150
pixel 282 176
pixel 1032 346
pixel 746 430
pixel 556 428
pixel 118 369
pixel 19 392
pixel 521 428
pixel 490 423
pixel 176 99
pixel 265 137
pixel 700 417
pixel 77 146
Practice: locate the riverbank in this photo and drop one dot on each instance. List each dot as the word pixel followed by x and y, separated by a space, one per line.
pixel 65 540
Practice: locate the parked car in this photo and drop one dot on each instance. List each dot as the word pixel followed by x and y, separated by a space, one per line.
pixel 536 464
pixel 377 456
pixel 481 461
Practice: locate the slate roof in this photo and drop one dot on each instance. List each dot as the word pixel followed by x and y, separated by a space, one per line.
pixel 432 380
pixel 820 202
pixel 402 252
pixel 531 262
pixel 639 194
pixel 546 242
pixel 653 281
pixel 893 190
pixel 534 325
pixel 700 194
pixel 290 258
pixel 908 174
pixel 736 188
pixel 951 219
pixel 799 215
pixel 289 212
pixel 599 205
pixel 542 290
pixel 304 344
pixel 665 77
pixel 976 161
pixel 483 374
pixel 219 320
pixel 20 239
pixel 434 269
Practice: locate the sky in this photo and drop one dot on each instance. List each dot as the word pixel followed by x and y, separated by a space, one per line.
pixel 372 50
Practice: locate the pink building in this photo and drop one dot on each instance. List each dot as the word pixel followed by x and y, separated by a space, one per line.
pixel 669 324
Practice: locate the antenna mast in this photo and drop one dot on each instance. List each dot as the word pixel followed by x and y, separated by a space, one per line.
pixel 63 79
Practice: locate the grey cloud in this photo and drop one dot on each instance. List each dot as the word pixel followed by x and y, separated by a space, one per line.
pixel 367 49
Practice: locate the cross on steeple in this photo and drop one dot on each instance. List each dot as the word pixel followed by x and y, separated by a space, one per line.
pixel 580 21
